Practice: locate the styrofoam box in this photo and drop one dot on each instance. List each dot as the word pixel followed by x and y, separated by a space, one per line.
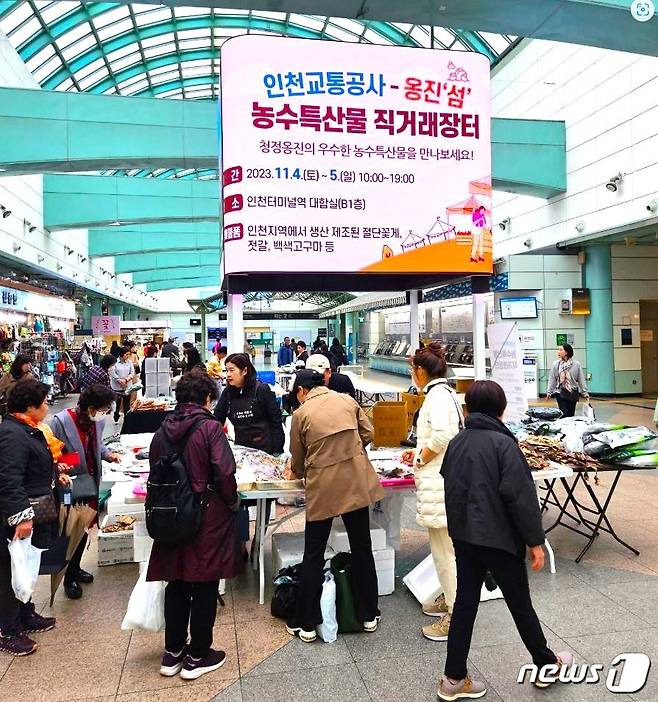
pixel 114 548
pixel 385 565
pixel 425 586
pixel 252 512
pixel 288 550
pixel 339 542
pixel 157 365
pixel 115 507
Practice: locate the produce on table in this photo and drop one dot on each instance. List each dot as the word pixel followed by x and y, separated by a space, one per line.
pixel 541 451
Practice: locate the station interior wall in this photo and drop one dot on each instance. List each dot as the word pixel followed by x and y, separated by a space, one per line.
pixel 608 102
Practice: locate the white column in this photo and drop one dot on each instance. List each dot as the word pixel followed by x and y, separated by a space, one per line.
pixel 235 324
pixel 479 343
pixel 413 320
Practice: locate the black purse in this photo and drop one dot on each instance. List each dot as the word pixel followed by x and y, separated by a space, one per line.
pixel 45 509
pixel 83 487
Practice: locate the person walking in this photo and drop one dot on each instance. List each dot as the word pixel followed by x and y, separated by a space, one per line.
pixel 493 518
pixel 81 431
pixel 122 374
pixel 337 355
pixel 192 571
pixel 286 354
pixel 328 437
pixel 440 418
pixel 566 381
pixel 339 382
pixel 28 459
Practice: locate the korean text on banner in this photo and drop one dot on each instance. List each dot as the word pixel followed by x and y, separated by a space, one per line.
pixel 106 326
pixel 354 158
pixel 507 368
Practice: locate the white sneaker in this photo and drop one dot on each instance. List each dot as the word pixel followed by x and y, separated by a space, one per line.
pixel 305 636
pixel 371 627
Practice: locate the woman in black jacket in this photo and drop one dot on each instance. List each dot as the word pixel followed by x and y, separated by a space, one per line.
pixel 493 518
pixel 28 455
pixel 255 414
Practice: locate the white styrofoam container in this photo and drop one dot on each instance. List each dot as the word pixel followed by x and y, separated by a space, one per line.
pixel 252 512
pixel 116 507
pixel 114 548
pixel 157 365
pixel 339 542
pixel 142 542
pixel 288 550
pixel 385 581
pixel 425 586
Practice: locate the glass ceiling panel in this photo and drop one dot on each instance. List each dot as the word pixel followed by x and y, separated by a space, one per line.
pixel 61 41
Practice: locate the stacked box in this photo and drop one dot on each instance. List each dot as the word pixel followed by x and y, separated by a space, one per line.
pixel 158 377
pixel 413 402
pixel 288 550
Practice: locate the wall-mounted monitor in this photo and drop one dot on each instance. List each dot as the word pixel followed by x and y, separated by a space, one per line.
pixel 518 308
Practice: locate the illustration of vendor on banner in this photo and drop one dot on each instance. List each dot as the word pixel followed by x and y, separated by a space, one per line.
pixel 353 160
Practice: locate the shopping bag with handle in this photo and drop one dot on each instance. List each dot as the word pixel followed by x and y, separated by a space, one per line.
pixel 328 630
pixel 146 606
pixel 341 566
pixel 588 412
pixel 25 562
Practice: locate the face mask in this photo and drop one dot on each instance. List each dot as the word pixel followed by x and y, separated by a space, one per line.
pixel 98 417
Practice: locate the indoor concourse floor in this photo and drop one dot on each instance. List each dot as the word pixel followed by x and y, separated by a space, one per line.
pixel 599 608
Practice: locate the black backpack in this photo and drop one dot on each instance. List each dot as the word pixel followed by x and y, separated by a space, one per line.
pixel 174 513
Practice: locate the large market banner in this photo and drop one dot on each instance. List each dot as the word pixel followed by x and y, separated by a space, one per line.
pixel 354 158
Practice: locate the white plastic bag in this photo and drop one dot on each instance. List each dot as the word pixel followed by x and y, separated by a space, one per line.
pixel 25 563
pixel 588 412
pixel 328 630
pixel 146 606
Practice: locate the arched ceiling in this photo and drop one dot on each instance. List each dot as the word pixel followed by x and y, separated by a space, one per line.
pixel 175 52
pixel 160 51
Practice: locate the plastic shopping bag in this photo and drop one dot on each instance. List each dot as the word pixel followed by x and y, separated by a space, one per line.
pixel 328 630
pixel 25 563
pixel 146 606
pixel 588 412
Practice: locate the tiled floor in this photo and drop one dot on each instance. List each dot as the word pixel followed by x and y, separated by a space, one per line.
pixel 599 608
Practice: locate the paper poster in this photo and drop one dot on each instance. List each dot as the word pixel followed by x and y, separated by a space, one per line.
pixel 106 326
pixel 507 368
pixel 354 158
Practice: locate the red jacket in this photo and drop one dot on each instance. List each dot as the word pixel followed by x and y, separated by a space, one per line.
pixel 214 553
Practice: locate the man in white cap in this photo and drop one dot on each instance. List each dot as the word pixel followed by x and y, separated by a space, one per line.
pixel 334 381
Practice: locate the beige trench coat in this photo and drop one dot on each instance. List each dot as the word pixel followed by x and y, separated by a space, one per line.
pixel 327 439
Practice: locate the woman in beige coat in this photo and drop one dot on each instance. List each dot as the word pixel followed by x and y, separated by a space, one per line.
pixel 328 436
pixel 440 418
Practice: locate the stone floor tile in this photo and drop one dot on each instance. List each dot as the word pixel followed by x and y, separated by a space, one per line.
pixel 331 684
pixel 198 691
pixel 258 639
pixel 233 693
pixel 49 673
pixel 639 597
pixel 297 655
pixel 141 671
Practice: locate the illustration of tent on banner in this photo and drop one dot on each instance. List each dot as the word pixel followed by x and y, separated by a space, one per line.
pixel 441 230
pixel 480 187
pixel 413 241
pixel 463 211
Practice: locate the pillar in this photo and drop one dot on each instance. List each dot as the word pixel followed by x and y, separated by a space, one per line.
pixel 479 328
pixel 414 326
pixel 355 335
pixel 235 324
pixel 86 315
pixel 204 335
pixel 599 341
pixel 116 309
pixel 131 314
pixel 96 309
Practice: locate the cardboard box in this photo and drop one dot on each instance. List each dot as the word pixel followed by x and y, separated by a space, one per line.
pixel 390 422
pixel 413 402
pixel 339 542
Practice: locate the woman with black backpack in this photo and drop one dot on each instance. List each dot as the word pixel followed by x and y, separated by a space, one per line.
pixel 193 569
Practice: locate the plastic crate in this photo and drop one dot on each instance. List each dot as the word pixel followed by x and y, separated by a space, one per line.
pixel 268 377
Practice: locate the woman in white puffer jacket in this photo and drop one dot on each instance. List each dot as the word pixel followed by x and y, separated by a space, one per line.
pixel 439 420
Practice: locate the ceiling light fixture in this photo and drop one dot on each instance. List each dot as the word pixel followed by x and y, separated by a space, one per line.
pixel 59 266
pixel 613 184
pixel 17 247
pixel 40 258
pixel 505 223
pixel 580 227
pixel 653 206
pixel 5 212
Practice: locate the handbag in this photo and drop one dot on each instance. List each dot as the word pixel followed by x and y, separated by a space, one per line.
pixel 341 567
pixel 284 598
pixel 45 509
pixel 569 395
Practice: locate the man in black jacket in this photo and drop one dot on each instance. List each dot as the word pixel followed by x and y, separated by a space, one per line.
pixel 337 382
pixel 493 516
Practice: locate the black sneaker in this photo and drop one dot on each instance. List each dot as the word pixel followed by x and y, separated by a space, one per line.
pixel 194 668
pixel 84 577
pixel 172 663
pixel 17 645
pixel 34 623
